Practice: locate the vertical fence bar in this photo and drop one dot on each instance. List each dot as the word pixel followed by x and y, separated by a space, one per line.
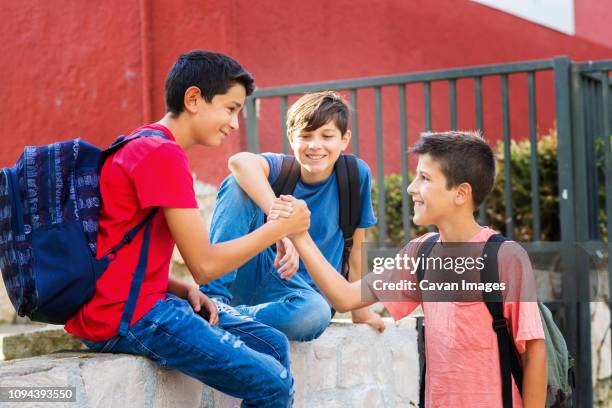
pixel 427 104
pixel 582 168
pixel 535 177
pixel 283 116
pixel 561 67
pixel 605 119
pixel 581 149
pixel 452 98
pixel 507 158
pixel 597 109
pixel 251 116
pixel 478 102
pixel 380 171
pixel 354 123
pixel 482 214
pixel 592 155
pixel 404 162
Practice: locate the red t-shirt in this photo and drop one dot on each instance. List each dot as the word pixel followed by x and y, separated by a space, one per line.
pixel 146 173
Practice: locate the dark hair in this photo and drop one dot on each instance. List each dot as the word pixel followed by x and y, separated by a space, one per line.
pixel 212 72
pixel 464 157
pixel 314 110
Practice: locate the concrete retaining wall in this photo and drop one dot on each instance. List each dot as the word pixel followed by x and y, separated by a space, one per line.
pixel 349 366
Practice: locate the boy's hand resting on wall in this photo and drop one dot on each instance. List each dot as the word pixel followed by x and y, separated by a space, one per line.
pixel 203 305
pixel 366 316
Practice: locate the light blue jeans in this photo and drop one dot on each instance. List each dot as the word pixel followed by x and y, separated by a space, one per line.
pixel 239 357
pixel 255 289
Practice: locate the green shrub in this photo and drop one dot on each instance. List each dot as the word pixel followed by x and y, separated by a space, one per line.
pixel 495 204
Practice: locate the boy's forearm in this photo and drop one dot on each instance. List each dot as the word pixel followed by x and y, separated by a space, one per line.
pixel 535 375
pixel 356 273
pixel 230 255
pixel 249 174
pixel 344 296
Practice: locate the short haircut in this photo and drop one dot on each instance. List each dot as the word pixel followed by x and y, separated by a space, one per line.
pixel 211 72
pixel 314 110
pixel 464 157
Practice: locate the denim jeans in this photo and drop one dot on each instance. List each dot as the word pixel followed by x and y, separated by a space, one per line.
pixel 255 289
pixel 239 357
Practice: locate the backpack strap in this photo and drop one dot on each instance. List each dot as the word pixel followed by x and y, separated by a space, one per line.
pixel 141 268
pixel 288 178
pixel 123 140
pixel 129 236
pixel 509 363
pixel 423 253
pixel 349 192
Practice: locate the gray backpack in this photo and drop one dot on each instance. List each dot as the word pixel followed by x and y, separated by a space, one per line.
pixel 561 381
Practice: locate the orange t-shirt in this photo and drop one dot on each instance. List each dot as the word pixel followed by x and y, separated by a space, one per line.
pixel 460 344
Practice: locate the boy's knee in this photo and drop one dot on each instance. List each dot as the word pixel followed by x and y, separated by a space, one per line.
pixel 234 214
pixel 310 320
pixel 277 391
pixel 281 343
pixel 231 194
pixel 283 389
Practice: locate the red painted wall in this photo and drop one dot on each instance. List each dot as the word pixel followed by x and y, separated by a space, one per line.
pixel 594 21
pixel 83 69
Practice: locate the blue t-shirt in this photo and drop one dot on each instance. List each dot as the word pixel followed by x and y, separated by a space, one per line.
pixel 323 201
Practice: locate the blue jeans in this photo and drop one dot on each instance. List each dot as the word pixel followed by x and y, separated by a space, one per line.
pixel 239 357
pixel 255 289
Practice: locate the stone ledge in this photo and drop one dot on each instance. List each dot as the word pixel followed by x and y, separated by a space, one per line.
pixel 349 366
pixel 22 341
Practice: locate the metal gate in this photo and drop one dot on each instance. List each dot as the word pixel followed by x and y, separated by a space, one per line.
pixel 580 95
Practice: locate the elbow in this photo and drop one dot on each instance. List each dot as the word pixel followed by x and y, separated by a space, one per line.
pixel 340 309
pixel 342 306
pixel 203 275
pixel 201 280
pixel 233 163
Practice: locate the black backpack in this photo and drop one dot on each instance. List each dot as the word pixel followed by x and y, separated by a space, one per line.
pixel 561 382
pixel 347 176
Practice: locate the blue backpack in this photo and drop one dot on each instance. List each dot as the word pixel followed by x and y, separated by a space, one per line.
pixel 49 206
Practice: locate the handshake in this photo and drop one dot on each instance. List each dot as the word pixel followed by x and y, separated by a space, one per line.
pixel 292 213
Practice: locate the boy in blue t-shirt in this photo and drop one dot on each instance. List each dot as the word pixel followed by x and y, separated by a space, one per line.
pixel 455 172
pixel 274 287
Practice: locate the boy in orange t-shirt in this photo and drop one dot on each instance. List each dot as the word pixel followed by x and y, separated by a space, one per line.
pixel 456 170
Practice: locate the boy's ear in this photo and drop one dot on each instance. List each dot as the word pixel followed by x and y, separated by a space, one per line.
pixel 346 139
pixel 192 95
pixel 464 194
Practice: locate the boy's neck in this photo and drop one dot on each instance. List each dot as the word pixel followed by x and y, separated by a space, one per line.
pixel 179 129
pixel 458 228
pixel 311 178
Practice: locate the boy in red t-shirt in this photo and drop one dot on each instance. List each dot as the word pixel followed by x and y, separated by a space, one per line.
pixel 456 171
pixel 173 323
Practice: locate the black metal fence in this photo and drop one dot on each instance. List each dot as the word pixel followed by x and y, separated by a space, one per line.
pixel 582 113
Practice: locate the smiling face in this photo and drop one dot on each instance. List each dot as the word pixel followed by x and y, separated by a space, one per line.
pixel 318 150
pixel 433 200
pixel 217 119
